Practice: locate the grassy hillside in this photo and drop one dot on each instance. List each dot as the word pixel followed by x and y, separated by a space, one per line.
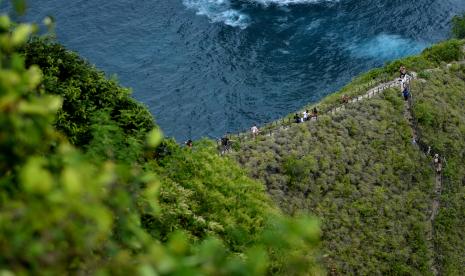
pixel 360 173
pixel 439 107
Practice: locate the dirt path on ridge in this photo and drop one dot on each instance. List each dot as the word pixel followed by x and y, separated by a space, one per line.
pixel 436 204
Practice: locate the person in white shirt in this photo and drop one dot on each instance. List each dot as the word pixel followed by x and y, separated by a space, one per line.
pixel 436 158
pixel 255 131
pixel 304 116
pixel 404 78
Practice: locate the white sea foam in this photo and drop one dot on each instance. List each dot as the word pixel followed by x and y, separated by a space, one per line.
pixel 385 46
pixel 314 25
pixel 222 11
pixel 290 2
pixel 219 11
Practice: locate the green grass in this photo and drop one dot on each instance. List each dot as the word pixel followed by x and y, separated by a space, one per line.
pixel 443 127
pixel 360 173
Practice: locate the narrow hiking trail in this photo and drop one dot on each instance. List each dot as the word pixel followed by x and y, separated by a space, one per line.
pixel 379 89
pixel 416 139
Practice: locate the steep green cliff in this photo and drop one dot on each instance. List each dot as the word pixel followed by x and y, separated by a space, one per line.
pixel 361 172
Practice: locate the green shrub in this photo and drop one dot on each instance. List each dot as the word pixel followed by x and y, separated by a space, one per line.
pixel 447 51
pixel 297 169
pixel 458 26
pixel 413 63
pixel 85 90
pixel 425 114
pixel 424 75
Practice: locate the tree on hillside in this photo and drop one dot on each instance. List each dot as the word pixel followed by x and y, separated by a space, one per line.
pixel 458 26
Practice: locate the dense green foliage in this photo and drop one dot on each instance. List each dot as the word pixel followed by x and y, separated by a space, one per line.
pixel 458 26
pixel 448 51
pixel 439 106
pixel 89 99
pixel 359 171
pixel 83 190
pixel 206 194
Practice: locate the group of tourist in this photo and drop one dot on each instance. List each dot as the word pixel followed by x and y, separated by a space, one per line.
pixel 306 116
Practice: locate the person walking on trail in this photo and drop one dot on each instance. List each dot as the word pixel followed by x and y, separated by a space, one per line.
pixel 436 158
pixel 225 145
pixel 315 113
pixel 439 167
pixel 402 71
pixel 345 99
pixel 297 118
pixel 189 143
pixel 437 163
pixel 255 131
pixel 406 94
pixel 404 78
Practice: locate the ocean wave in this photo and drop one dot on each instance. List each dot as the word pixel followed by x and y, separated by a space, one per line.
pixel 385 47
pixel 223 10
pixel 290 2
pixel 219 11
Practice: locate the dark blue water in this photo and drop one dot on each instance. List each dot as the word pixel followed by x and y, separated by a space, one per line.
pixel 205 67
